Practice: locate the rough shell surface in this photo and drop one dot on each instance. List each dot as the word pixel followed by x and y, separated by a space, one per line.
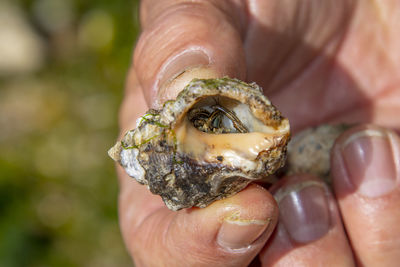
pixel 188 167
pixel 309 151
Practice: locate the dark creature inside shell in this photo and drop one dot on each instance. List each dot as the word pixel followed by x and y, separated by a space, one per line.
pixel 211 142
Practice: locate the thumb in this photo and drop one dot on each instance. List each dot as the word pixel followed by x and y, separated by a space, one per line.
pixel 229 232
pixel 184 40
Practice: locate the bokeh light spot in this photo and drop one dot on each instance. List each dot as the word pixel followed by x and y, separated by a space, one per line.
pixel 96 30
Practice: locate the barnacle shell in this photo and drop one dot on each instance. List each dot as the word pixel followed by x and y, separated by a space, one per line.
pixel 190 167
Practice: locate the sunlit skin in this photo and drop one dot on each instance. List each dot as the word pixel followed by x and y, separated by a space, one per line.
pixel 318 62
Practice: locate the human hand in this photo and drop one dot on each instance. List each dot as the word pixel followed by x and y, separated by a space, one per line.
pixel 317 63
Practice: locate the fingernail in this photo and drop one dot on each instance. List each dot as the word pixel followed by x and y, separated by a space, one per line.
pixel 180 70
pixel 371 161
pixel 304 210
pixel 238 234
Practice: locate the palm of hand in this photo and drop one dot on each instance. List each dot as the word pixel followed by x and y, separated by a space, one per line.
pixel 332 64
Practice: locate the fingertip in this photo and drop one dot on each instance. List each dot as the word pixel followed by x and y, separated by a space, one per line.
pixel 250 212
pixel 251 222
pixel 365 161
pixel 230 231
pixel 309 230
pixel 305 205
pixel 254 203
pixel 365 172
pixel 175 81
pixel 186 36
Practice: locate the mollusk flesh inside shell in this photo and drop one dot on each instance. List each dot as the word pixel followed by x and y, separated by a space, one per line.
pixel 215 138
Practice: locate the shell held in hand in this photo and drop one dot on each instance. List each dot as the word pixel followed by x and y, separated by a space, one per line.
pixel 211 142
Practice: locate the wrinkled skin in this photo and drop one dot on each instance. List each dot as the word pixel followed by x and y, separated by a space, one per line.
pixel 319 62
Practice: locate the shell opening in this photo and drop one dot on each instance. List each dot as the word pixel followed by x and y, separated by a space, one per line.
pixel 216 118
pixel 222 115
pixel 219 129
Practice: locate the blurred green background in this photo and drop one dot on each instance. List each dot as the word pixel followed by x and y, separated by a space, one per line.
pixel 62 71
